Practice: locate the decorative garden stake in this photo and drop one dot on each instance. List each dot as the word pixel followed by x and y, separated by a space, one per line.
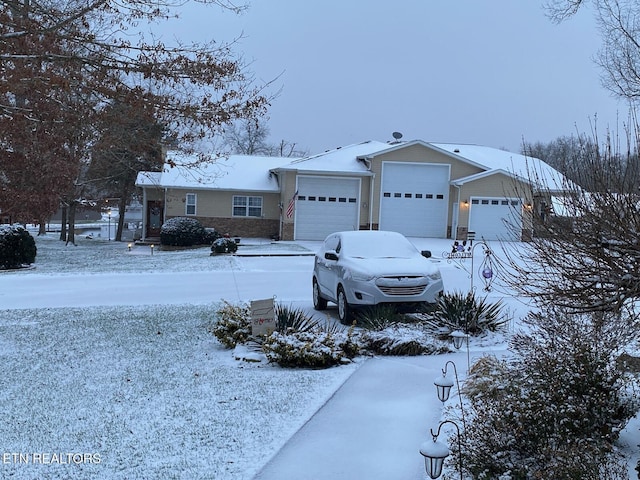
pixel 461 251
pixel 435 452
pixel 444 384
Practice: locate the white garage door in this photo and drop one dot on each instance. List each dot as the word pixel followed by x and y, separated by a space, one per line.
pixel 496 218
pixel 414 199
pixel 326 205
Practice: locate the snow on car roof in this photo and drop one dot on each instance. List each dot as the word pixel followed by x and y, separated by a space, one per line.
pixel 376 244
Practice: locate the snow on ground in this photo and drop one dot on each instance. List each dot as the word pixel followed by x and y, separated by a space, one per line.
pixel 110 371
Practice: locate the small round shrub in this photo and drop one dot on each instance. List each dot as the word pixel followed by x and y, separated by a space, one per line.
pixel 233 324
pixel 17 247
pixel 182 232
pixel 304 349
pixel 224 245
pixel 210 236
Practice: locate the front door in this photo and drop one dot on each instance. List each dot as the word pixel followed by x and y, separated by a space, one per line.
pixel 154 218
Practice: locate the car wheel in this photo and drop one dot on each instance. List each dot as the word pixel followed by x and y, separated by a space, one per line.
pixel 344 310
pixel 319 303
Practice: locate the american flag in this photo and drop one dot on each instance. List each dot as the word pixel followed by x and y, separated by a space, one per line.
pixel 292 204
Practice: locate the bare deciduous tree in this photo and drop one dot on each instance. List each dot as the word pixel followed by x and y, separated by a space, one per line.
pixel 585 252
pixel 58 54
pixel 619 56
pixel 250 137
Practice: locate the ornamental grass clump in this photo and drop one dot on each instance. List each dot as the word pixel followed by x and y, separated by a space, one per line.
pixel 385 331
pixel 466 312
pixel 289 319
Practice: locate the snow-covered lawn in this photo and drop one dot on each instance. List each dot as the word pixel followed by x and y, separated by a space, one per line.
pixel 109 369
pixel 139 391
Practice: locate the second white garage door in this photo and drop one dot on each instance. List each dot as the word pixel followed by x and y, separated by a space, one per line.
pixel 496 218
pixel 414 199
pixel 326 205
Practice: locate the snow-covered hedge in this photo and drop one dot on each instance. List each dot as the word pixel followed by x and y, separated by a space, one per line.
pixel 17 247
pixel 316 348
pixel 401 340
pixel 301 341
pixel 182 232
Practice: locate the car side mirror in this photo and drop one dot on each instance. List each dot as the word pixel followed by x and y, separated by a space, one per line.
pixel 426 253
pixel 331 255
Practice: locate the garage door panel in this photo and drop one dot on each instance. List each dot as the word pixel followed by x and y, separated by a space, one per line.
pixel 414 199
pixel 326 205
pixel 496 218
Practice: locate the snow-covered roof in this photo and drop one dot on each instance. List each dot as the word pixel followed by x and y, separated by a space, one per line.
pixel 254 173
pixel 339 160
pixel 236 172
pixel 503 161
pixel 148 179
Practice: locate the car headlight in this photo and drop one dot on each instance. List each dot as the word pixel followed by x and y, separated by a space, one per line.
pixel 435 276
pixel 360 276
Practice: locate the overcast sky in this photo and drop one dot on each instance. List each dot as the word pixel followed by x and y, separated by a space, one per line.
pixel 488 72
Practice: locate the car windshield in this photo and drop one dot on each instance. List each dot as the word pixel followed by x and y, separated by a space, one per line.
pixel 378 246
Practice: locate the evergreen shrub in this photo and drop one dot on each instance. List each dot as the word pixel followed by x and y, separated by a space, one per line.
pixel 556 407
pixel 182 232
pixel 224 245
pixel 17 247
pixel 233 325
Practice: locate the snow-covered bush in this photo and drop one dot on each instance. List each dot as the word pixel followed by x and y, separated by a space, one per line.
pixel 385 331
pixel 210 236
pixel 554 409
pixel 224 245
pixel 400 340
pixel 315 348
pixel 182 232
pixel 464 311
pixel 17 247
pixel 233 325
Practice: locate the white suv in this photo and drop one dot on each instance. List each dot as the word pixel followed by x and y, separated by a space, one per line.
pixel 369 267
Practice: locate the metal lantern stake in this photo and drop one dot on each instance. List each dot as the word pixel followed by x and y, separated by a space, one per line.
pixel 458 339
pixel 435 452
pixel 444 384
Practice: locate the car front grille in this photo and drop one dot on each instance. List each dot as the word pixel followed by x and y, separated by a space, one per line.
pixel 403 290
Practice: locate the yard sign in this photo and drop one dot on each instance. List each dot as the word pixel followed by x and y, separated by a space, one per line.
pixel 263 319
